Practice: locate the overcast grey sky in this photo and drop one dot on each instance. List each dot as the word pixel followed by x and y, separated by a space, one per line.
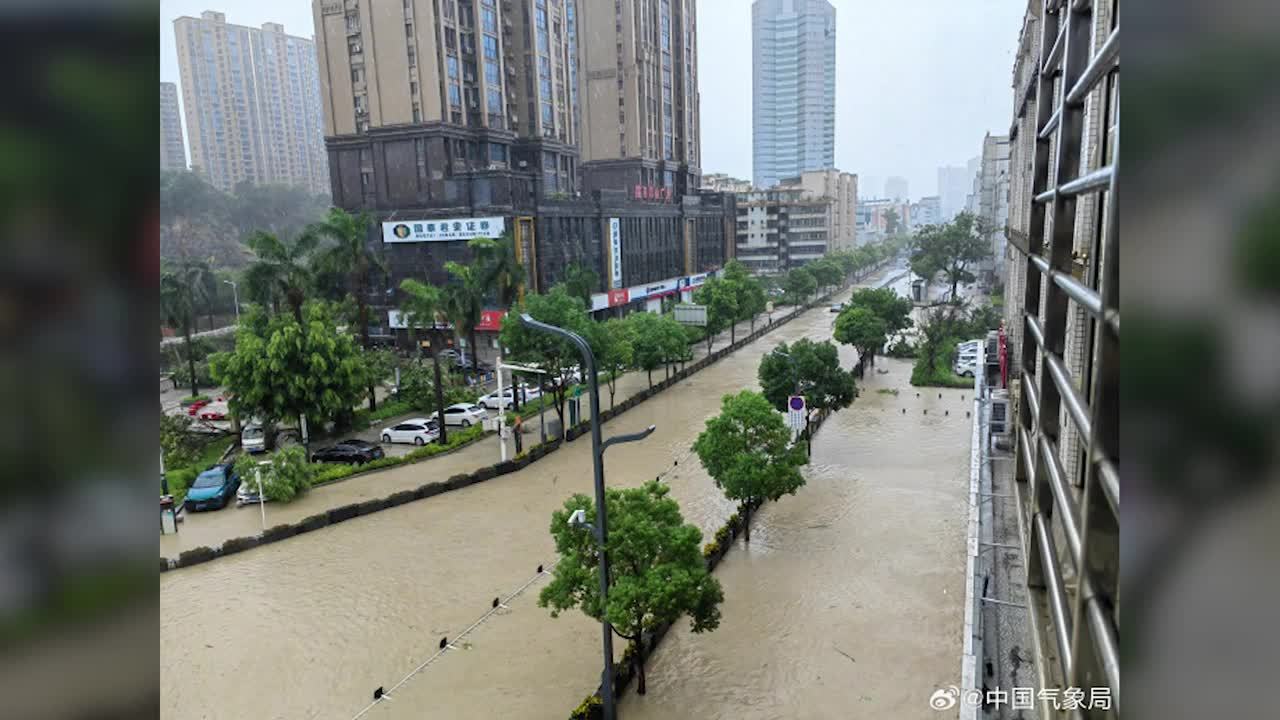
pixel 918 82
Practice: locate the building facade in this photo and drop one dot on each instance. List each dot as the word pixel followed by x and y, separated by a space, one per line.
pixel 639 89
pixel 173 153
pixel 896 188
pixel 793 73
pixel 876 221
pixel 720 182
pixel 841 189
pixel 781 228
pixel 251 97
pixel 928 211
pixel 991 195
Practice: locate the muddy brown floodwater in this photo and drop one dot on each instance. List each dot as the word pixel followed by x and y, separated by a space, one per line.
pixel 307 628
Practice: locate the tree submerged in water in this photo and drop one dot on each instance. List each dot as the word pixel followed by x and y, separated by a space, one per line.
pixel 657 572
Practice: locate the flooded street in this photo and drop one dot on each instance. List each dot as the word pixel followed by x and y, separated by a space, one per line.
pixel 309 627
pixel 847 602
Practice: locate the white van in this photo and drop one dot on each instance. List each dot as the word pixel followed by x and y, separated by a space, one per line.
pixel 253 439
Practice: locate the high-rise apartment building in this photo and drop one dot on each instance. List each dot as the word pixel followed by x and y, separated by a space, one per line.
pixel 251 97
pixel 173 155
pixel 992 198
pixel 928 211
pixel 793 78
pixel 418 92
pixel 896 188
pixel 639 86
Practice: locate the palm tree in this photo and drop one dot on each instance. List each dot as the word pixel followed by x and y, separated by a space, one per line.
pixel 422 305
pixel 280 270
pixel 464 300
pixel 499 268
pixel 181 291
pixel 351 255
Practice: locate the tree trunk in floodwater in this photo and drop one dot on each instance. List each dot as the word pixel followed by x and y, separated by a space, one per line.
pixel 746 522
pixel 638 664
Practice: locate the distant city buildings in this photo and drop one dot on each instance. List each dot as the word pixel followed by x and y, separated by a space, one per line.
pixel 896 188
pixel 841 189
pixel 880 218
pixel 991 199
pixel 251 97
pixel 720 182
pixel 955 184
pixel 173 154
pixel 797 221
pixel 928 211
pixel 793 88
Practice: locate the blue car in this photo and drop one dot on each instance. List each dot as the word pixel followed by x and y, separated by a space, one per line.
pixel 213 489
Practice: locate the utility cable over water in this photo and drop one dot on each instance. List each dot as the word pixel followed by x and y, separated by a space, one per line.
pixel 445 644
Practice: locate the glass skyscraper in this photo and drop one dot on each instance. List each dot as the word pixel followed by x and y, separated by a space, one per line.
pixel 793 87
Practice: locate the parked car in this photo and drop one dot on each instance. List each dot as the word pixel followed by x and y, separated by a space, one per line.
pixel 493 402
pixel 216 410
pixel 837 307
pixel 356 452
pixel 212 489
pixel 464 414
pixel 418 431
pixel 194 408
pixel 253 439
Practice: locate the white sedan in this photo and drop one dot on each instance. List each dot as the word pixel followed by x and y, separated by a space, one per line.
pixel 418 431
pixel 493 402
pixel 464 414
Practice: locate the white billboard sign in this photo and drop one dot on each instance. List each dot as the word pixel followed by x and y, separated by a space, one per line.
pixel 691 314
pixel 615 253
pixel 406 231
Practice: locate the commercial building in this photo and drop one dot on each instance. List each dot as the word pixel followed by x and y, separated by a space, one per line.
pixel 782 228
pixel 896 188
pixel 639 86
pixel 173 154
pixel 793 73
pixel 251 97
pixel 879 218
pixel 928 211
pixel 720 182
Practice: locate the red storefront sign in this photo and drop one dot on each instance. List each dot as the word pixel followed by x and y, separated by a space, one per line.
pixel 619 297
pixel 652 192
pixel 491 320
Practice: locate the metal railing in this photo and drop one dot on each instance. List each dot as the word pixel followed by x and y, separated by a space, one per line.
pixel 1070 519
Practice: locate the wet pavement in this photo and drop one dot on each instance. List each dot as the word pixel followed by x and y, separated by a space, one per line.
pixel 869 556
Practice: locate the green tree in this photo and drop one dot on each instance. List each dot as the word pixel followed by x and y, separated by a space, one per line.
pixel 581 281
pixel 860 327
pixel 895 311
pixel 616 351
pixel 826 273
pixel 892 223
pixel 799 285
pixel 656 569
pixel 649 343
pixel 556 356
pixel 812 370
pixel 351 255
pixel 721 298
pixel 939 326
pixel 176 442
pixel 182 290
pixel 751 300
pixel 423 305
pixel 280 371
pixel 284 477
pixel 951 249
pixel 747 451
pixel 280 270
pixel 498 268
pixel 674 342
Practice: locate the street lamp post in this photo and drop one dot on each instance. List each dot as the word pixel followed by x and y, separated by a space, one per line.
pixel 235 293
pixel 515 391
pixel 602 526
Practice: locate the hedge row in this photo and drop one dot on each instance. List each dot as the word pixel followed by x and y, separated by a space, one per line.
pixel 336 515
pixel 457 439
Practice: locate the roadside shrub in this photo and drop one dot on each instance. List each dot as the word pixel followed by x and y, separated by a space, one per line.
pixel 901 349
pixel 193 399
pixel 589 708
pixel 723 535
pixel 710 549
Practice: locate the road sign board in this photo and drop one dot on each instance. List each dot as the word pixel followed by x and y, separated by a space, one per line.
pixel 691 314
pixel 796 412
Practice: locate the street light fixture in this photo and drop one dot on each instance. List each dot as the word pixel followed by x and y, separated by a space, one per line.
pixel 601 530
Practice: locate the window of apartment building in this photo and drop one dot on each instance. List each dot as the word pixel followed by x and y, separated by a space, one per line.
pixel 494 98
pixel 357 74
pixel 413 57
pixel 548 114
pixel 408 29
pixel 413 88
pixel 451 66
pixel 489 20
pixel 354 47
pixel 490 47
pixel 491 74
pixel 417 113
pixel 353 25
pixel 497 152
pixel 455 95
